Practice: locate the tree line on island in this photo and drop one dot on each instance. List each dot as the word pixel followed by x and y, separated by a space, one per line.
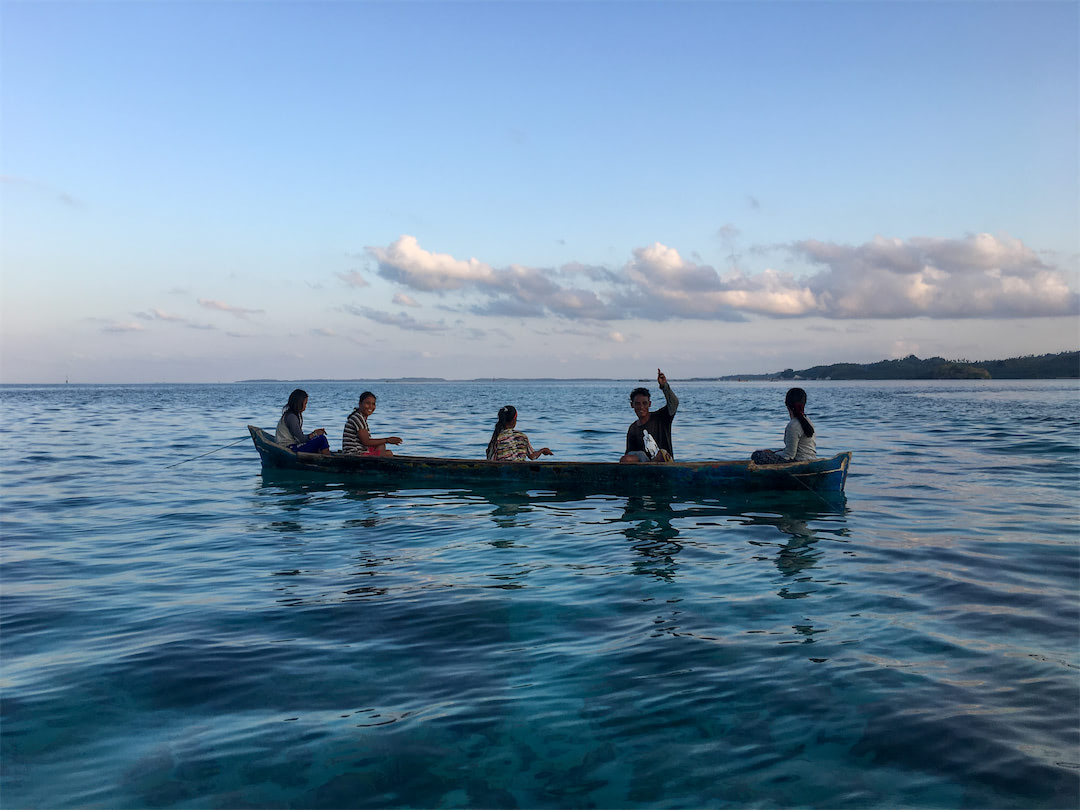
pixel 1060 366
pixel 1063 365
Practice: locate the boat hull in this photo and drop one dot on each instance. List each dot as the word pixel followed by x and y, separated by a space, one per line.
pixel 821 475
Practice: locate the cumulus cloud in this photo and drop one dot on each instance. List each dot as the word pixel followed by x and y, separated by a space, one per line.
pixel 664 282
pixel 404 300
pixel 977 276
pixel 239 312
pixel 405 261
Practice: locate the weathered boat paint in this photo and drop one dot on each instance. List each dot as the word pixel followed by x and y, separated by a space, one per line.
pixel 821 475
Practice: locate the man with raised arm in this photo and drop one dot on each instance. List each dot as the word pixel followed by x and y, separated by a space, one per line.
pixel 656 424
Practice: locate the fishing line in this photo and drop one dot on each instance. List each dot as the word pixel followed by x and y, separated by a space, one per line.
pixel 186 460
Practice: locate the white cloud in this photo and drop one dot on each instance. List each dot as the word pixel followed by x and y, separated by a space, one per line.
pixel 239 312
pixel 405 261
pixel 155 314
pixel 401 299
pixel 978 276
pixel 129 326
pixel 400 320
pixel 975 277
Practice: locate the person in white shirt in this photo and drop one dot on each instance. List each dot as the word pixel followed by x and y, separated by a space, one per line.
pixel 799 442
pixel 290 429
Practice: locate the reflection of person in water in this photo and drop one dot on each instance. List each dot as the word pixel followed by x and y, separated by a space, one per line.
pixel 800 552
pixel 648 526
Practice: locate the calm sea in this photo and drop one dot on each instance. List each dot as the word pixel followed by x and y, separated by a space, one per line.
pixel 197 636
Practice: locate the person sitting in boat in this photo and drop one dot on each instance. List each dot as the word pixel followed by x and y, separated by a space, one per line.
pixel 290 429
pixel 508 444
pixel 799 442
pixel 649 438
pixel 356 439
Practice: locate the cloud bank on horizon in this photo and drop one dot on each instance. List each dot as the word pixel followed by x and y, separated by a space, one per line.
pixel 977 276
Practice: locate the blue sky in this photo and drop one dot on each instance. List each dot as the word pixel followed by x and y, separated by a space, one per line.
pixel 218 191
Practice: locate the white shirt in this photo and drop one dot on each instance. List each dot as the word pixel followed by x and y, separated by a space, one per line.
pixel 797 445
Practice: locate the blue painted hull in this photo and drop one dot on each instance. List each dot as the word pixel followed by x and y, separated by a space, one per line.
pixel 821 475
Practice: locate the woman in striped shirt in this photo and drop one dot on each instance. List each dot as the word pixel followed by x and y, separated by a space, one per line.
pixel 357 439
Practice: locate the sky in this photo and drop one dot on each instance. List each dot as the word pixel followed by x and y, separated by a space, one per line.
pixel 218 191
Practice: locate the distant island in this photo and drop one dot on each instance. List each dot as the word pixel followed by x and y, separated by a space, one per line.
pixel 1060 366
pixel 1064 365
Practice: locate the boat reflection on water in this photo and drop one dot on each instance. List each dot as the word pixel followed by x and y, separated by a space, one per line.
pixel 659 527
pixel 652 526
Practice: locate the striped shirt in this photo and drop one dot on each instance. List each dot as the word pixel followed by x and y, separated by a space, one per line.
pixel 350 438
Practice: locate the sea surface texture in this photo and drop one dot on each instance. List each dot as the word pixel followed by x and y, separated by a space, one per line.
pixel 198 635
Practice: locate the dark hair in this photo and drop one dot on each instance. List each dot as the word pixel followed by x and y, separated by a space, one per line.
pixel 796 400
pixel 507 414
pixel 295 403
pixel 637 391
pixel 367 394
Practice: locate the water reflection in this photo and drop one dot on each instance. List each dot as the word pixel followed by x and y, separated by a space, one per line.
pixel 648 528
pixel 394 534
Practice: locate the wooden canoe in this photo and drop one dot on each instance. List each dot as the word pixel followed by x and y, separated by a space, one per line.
pixel 820 475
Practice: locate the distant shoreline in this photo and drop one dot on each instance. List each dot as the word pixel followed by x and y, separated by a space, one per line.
pixel 1058 366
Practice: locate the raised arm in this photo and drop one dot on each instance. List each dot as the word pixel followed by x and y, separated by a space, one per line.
pixel 670 400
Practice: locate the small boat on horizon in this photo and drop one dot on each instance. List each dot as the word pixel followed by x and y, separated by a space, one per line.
pixel 819 475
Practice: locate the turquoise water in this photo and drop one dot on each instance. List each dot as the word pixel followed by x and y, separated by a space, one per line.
pixel 199 636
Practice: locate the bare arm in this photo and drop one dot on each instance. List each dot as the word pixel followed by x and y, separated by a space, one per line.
pixel 368 440
pixel 534 454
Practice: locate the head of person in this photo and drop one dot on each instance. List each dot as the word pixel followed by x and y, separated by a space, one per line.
pixel 297 402
pixel 795 397
pixel 640 401
pixel 507 417
pixel 796 403
pixel 367 403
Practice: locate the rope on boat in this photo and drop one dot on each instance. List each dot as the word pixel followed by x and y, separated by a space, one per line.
pixel 186 460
